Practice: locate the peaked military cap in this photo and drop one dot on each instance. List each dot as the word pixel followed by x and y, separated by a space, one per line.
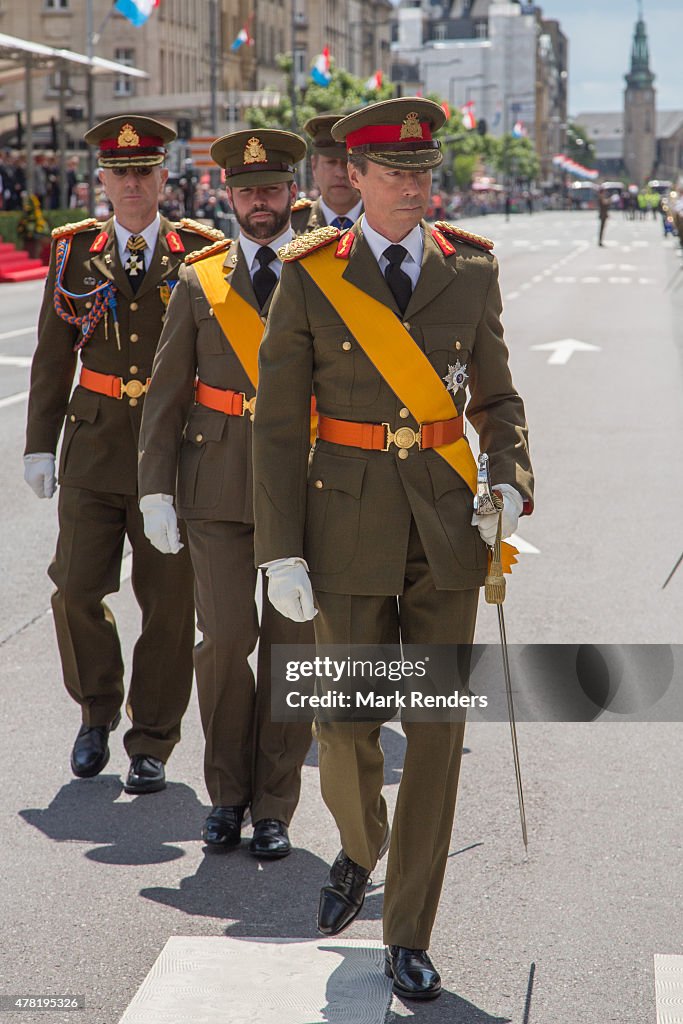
pixel 319 130
pixel 130 140
pixel 395 133
pixel 259 156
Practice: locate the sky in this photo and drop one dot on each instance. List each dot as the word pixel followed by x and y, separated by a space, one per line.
pixel 600 34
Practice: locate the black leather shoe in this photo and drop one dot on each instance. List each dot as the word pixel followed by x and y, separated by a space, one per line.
pixel 414 974
pixel 221 830
pixel 270 839
pixel 145 775
pixel 91 750
pixel 342 899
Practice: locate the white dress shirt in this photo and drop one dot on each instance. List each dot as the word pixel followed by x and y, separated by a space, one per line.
pixel 353 214
pixel 150 235
pixel 413 242
pixel 250 248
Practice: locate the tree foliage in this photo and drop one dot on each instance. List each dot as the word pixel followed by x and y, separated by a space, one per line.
pixel 579 146
pixel 516 158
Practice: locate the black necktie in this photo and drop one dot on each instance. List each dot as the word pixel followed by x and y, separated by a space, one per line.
pixel 265 279
pixel 342 223
pixel 135 264
pixel 397 279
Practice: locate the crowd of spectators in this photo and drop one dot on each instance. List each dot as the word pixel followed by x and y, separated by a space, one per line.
pixel 45 180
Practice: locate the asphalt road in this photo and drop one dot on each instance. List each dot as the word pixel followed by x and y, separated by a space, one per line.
pixel 93 882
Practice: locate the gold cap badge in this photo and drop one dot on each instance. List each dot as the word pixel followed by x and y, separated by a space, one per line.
pixel 411 127
pixel 254 153
pixel 128 137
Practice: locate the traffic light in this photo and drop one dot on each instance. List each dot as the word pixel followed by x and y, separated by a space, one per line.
pixel 482 126
pixel 184 128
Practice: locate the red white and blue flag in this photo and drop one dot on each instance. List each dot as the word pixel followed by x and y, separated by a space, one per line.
pixel 374 82
pixel 468 118
pixel 137 11
pixel 320 72
pixel 241 39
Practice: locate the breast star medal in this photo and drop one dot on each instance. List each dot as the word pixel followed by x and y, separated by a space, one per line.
pixel 456 377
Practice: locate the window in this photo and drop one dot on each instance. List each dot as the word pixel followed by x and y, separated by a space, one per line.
pixel 439 32
pixel 123 84
pixel 56 5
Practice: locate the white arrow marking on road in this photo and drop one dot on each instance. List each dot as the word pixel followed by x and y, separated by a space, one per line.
pixel 563 350
pixel 15 360
pixel 523 546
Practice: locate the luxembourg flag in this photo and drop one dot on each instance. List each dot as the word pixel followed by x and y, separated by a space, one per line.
pixel 137 11
pixel 519 130
pixel 320 72
pixel 467 112
pixel 374 82
pixel 241 38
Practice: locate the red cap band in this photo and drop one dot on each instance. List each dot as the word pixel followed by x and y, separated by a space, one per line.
pixel 385 133
pixel 144 142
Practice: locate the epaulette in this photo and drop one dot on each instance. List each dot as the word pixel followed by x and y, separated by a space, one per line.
pixel 303 245
pixel 208 250
pixel 187 224
pixel 73 229
pixel 302 204
pixel 453 231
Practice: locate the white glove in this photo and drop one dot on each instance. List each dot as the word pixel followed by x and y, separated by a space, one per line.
pixel 289 589
pixel 512 509
pixel 39 473
pixel 161 523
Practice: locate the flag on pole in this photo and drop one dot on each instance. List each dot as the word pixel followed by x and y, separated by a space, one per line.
pixel 446 109
pixel 241 39
pixel 468 118
pixel 374 82
pixel 137 11
pixel 519 130
pixel 320 72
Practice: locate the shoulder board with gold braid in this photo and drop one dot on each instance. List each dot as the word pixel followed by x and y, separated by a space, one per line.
pixel 209 250
pixel 453 231
pixel 187 224
pixel 72 229
pixel 303 245
pixel 302 204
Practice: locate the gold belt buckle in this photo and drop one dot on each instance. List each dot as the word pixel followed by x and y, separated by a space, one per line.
pixel 404 437
pixel 248 405
pixel 132 388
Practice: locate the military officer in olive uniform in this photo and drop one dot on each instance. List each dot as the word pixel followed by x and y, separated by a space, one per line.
pixel 105 300
pixel 339 203
pixel 391 320
pixel 202 436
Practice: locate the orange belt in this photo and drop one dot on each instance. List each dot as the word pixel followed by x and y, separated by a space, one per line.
pixel 232 403
pixel 379 436
pixel 112 387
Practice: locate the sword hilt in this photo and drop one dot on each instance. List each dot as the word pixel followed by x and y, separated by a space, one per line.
pixel 486 503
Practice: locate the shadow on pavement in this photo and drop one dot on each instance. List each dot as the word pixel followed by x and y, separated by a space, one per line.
pixel 447 1009
pixel 139 831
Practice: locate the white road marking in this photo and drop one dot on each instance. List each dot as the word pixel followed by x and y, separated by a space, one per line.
pixel 564 349
pixel 18 332
pixel 15 360
pixel 618 280
pixel 564 280
pixel 669 988
pixel 512 295
pixel 202 980
pixel 20 396
pixel 590 280
pixel 523 546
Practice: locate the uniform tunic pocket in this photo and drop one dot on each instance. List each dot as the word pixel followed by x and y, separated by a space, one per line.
pixel 453 502
pixel 83 410
pixel 201 464
pixel 333 510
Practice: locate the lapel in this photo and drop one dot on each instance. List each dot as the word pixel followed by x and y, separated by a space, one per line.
pixel 163 261
pixel 436 273
pixel 362 270
pixel 108 264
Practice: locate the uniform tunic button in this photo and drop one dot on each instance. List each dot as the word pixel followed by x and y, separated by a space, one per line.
pixel 132 401
pixel 458 345
pixel 133 369
pixel 134 337
pixel 346 345
pixel 72 418
pixel 211 312
pixel 404 413
pixel 319 484
pixel 199 438
pixel 88 305
pixel 406 324
pixel 402 453
pixel 133 306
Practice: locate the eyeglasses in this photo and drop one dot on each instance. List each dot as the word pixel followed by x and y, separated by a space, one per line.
pixel 121 172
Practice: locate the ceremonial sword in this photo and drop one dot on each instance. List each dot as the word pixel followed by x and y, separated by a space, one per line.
pixel 486 502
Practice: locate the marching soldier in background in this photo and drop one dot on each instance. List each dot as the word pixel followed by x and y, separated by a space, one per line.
pixel 105 298
pixel 339 203
pixel 391 320
pixel 202 437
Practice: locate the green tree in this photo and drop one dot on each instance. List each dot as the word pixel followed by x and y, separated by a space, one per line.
pixel 516 158
pixel 345 92
pixel 579 146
